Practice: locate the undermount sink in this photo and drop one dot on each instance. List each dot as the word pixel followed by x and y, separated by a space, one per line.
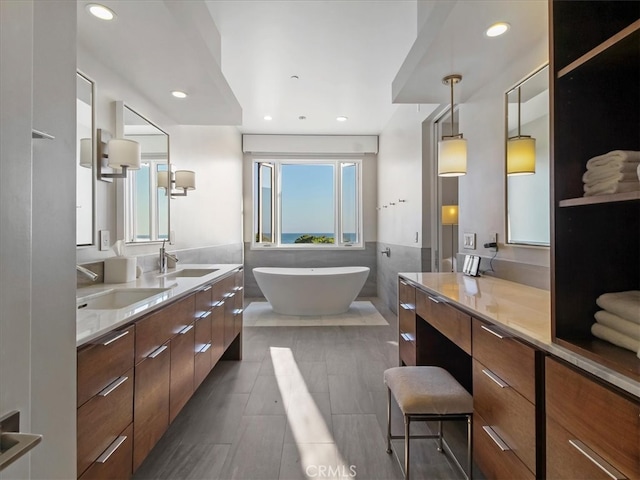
pixel 117 298
pixel 190 272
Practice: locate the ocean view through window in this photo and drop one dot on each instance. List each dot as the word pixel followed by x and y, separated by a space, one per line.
pixel 307 203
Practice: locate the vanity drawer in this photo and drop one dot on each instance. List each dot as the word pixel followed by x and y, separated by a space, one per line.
pixel 407 319
pixel 102 361
pixel 607 422
pixel 496 461
pixel 115 463
pixel 508 413
pixel 101 419
pixel 509 359
pixel 203 300
pixel 451 322
pixel 154 330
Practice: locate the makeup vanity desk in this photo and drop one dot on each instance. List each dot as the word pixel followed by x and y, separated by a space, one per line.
pixel 540 410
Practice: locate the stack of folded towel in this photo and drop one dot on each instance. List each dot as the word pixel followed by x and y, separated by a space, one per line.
pixel 619 321
pixel 614 172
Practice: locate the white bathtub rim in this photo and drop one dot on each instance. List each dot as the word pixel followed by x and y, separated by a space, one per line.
pixel 310 271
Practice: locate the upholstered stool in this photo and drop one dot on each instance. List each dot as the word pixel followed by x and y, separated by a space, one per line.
pixel 428 394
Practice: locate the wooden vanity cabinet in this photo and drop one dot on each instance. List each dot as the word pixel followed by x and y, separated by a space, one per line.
pixel 229 310
pixel 105 405
pixel 504 400
pixel 589 424
pixel 407 323
pixel 238 288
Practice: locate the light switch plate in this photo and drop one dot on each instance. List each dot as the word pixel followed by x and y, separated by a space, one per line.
pixel 105 240
pixel 470 241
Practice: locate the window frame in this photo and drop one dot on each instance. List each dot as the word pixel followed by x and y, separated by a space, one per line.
pixel 276 202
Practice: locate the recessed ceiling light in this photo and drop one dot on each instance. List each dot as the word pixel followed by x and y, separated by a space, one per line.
pixel 342 119
pixel 294 77
pixel 497 29
pixel 179 94
pixel 100 11
pixel 268 118
pixel 302 117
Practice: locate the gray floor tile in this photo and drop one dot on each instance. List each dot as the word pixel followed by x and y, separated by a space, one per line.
pixel 349 396
pixel 309 418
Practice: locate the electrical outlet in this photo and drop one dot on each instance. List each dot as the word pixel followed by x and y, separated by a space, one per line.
pixel 492 244
pixel 470 241
pixel 105 240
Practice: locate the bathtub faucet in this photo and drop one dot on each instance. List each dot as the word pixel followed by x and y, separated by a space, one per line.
pixel 386 251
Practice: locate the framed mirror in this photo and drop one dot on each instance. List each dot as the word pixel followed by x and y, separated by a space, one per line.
pixel 85 161
pixel 146 207
pixel 527 160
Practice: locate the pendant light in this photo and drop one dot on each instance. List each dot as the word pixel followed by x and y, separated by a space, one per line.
pixel 452 149
pixel 521 151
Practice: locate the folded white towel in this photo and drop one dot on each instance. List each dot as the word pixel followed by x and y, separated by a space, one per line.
pixel 623 304
pixel 615 157
pixel 610 175
pixel 611 336
pixel 605 188
pixel 618 324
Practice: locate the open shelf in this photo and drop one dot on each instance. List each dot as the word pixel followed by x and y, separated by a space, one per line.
pixel 605 353
pixel 628 35
pixel 599 199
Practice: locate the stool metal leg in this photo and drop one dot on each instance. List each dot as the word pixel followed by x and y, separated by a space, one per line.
pixel 440 436
pixel 389 420
pixel 407 436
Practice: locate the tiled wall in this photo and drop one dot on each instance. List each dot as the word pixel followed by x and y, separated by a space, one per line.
pixel 309 258
pixel 401 259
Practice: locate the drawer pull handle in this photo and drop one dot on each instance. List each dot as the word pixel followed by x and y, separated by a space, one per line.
pixel 405 306
pixel 496 439
pixel 238 289
pixel 230 295
pixel 600 462
pixel 116 336
pixel 206 289
pixel 110 388
pixel 501 336
pixel 157 351
pixel 404 283
pixel 112 449
pixel 205 315
pixel 205 348
pixel 220 303
pixel 185 329
pixel 434 300
pixel 495 378
pixel 238 311
pixel 407 337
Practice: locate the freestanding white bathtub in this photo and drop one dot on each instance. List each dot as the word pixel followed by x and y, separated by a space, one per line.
pixel 311 291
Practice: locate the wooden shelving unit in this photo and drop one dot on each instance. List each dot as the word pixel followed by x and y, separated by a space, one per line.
pixel 595 91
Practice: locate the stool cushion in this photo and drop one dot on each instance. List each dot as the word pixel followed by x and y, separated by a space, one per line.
pixel 427 391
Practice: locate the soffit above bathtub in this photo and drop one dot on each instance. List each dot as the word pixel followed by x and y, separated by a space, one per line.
pixel 161 46
pixel 452 40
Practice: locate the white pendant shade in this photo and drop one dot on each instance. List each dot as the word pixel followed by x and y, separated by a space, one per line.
pixel 86 153
pixel 521 156
pixel 185 179
pixel 124 152
pixel 452 157
pixel 449 214
pixel 163 180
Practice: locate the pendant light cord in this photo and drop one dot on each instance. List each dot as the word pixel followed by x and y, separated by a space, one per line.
pixel 519 92
pixel 451 83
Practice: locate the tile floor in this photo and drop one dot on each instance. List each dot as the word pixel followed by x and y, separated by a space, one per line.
pixel 304 403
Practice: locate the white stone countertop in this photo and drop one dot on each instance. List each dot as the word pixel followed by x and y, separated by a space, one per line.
pixel 93 323
pixel 518 309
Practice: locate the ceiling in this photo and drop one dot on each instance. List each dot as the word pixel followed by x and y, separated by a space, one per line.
pixel 353 58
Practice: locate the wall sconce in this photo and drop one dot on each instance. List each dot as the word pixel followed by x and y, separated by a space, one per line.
pixel 121 153
pixel 86 151
pixel 181 179
pixel 450 217
pixel 521 151
pixel 452 149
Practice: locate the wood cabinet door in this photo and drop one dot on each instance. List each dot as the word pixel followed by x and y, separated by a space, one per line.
pixel 217 334
pixel 229 307
pixel 182 370
pixel 151 402
pixel 116 462
pixel 202 349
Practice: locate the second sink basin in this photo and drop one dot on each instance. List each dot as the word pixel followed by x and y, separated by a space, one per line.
pixel 190 272
pixel 118 298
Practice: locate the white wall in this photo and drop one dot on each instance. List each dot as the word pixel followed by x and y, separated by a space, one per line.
pixel 208 216
pixel 37 232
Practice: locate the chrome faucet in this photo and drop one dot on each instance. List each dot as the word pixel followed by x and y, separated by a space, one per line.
pixel 163 258
pixel 87 273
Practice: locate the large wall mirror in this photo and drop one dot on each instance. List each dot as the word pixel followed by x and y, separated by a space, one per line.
pixel 146 207
pixel 85 179
pixel 527 161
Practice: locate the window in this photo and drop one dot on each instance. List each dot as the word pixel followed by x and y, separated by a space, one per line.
pixel 146 204
pixel 307 203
